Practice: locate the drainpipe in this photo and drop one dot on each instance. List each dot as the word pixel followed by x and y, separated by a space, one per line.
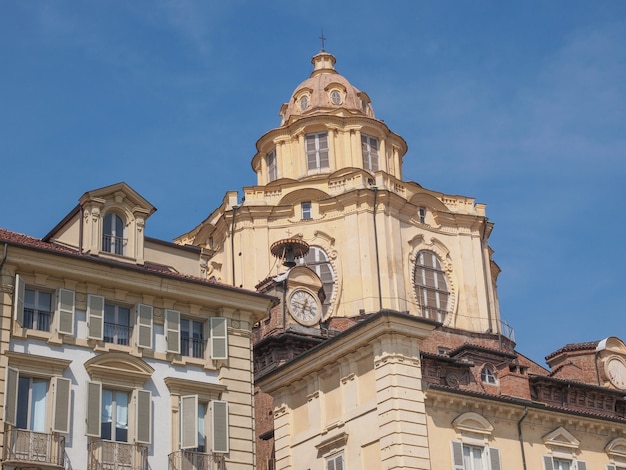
pixel 521 436
pixel 380 295
pixel 486 277
pixel 232 242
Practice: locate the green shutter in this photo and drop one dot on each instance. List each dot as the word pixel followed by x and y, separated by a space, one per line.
pixel 219 338
pixel 94 404
pixel 144 326
pixel 188 422
pixel 457 455
pixel 172 331
pixel 61 410
pixel 18 300
pixel 10 396
pixel 219 419
pixel 547 463
pixel 494 458
pixel 144 416
pixel 95 316
pixel 65 310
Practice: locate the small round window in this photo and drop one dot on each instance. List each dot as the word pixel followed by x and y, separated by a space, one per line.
pixel 304 102
pixel 335 97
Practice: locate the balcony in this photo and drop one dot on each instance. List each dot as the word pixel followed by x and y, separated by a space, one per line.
pixel 109 455
pixel 27 449
pixel 188 460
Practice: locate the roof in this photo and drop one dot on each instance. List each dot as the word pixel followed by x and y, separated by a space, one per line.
pixel 589 345
pixel 10 238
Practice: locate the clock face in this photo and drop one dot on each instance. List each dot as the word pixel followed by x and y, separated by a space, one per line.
pixel 616 372
pixel 304 307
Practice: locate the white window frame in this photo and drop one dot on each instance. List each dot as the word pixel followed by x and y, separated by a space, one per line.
pixel 488 375
pixel 189 352
pixel 490 456
pixel 139 404
pixel 112 223
pixel 272 167
pixel 317 158
pixel 550 463
pixel 306 210
pixel 57 401
pixel 116 324
pixel 336 461
pixel 62 306
pixel 441 293
pixel 370 150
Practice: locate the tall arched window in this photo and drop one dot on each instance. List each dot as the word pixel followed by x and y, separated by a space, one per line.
pixel 113 234
pixel 317 260
pixel 431 286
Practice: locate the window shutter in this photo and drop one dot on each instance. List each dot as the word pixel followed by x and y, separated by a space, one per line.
pixel 65 309
pixel 144 416
pixel 95 316
pixel 580 465
pixel 144 326
pixel 547 463
pixel 611 467
pixel 494 458
pixel 189 422
pixel 94 404
pixel 61 410
pixel 172 331
pixel 219 432
pixel 18 300
pixel 10 396
pixel 219 338
pixel 457 455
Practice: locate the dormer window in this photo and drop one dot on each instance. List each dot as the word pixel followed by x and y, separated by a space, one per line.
pixel 317 151
pixel 369 149
pixel 113 240
pixel 488 375
pixel 335 97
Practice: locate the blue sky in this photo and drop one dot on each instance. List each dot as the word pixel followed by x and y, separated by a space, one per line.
pixel 521 105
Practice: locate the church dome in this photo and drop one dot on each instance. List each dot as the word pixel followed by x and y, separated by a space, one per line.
pixel 326 92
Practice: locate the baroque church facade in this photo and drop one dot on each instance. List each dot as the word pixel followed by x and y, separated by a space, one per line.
pixel 335 317
pixel 387 349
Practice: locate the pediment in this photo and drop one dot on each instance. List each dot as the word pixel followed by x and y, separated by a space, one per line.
pixel 616 448
pixel 428 200
pixel 119 369
pixel 304 194
pixel 303 276
pixel 561 437
pixel 612 343
pixel 473 423
pixel 119 194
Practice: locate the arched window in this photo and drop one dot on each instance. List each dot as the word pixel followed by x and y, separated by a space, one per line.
pixel 317 260
pixel 431 286
pixel 369 149
pixel 113 234
pixel 488 375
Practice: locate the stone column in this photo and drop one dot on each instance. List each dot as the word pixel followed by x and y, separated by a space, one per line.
pixel 400 403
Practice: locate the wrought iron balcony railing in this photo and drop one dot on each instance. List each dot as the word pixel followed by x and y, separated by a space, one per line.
pixel 22 446
pixel 109 455
pixel 189 460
